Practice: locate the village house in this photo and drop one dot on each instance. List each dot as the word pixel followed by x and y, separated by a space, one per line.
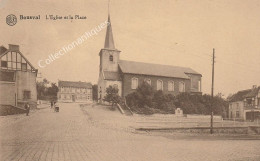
pixel 127 75
pixel 245 104
pixel 74 91
pixel 17 78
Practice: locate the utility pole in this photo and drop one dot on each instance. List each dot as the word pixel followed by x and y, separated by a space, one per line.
pixel 212 93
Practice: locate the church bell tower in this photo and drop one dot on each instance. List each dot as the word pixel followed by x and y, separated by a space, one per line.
pixel 109 59
pixel 109 55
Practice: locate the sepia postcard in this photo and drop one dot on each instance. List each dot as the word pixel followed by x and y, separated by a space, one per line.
pixel 129 80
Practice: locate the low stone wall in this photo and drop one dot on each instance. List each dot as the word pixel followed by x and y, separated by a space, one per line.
pixel 218 130
pixel 10 110
pixel 215 117
pixel 21 104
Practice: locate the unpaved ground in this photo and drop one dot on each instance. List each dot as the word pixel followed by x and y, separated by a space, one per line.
pixel 93 133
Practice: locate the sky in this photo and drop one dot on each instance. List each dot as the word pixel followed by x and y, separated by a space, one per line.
pixel 170 32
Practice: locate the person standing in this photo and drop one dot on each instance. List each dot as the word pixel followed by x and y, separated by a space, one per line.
pixel 27 108
pixel 51 104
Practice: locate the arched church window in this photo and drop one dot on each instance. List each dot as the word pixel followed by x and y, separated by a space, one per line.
pixel 159 85
pixel 111 57
pixel 170 86
pixel 181 86
pixel 134 84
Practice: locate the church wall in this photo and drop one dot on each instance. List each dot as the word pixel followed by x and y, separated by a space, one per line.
pixel 106 63
pixel 127 81
pixel 195 82
pixel 101 86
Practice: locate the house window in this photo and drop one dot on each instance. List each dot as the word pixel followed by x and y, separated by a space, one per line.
pixel 4 64
pixel 159 85
pixel 26 95
pixel 148 81
pixel 24 66
pixel 111 57
pixel 181 87
pixel 237 114
pixel 134 83
pixel 170 86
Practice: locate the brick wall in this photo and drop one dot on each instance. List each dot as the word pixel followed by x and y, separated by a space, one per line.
pixel 194 83
pixel 127 78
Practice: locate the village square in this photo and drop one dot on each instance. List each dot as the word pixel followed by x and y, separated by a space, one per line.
pixel 135 109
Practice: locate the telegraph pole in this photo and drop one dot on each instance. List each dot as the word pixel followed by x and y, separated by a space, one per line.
pixel 212 93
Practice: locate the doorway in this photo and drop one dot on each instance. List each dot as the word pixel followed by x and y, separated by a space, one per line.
pixel 73 98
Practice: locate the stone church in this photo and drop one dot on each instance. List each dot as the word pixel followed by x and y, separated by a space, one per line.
pixel 127 75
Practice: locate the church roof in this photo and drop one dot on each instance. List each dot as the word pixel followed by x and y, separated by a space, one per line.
pixel 109 41
pixel 155 69
pixel 111 75
pixel 74 84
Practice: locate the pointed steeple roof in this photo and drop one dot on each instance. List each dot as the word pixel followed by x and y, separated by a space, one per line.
pixel 109 41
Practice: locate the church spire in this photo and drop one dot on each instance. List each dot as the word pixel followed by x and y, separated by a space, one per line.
pixel 109 41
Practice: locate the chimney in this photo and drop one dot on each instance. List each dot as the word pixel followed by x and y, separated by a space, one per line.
pixel 254 86
pixel 13 47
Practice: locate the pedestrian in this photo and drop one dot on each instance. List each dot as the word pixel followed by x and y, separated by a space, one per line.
pixel 27 108
pixel 51 104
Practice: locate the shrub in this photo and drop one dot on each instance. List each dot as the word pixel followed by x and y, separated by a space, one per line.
pixel 146 101
pixel 112 95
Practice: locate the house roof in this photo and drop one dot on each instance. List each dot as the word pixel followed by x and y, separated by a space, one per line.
pixel 111 75
pixel 253 92
pixel 74 84
pixel 155 69
pixel 241 95
pixel 2 50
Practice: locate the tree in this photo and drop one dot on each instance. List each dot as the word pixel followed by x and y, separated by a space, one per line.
pixel 112 95
pixel 41 87
pixel 53 91
pixel 44 92
pixel 200 104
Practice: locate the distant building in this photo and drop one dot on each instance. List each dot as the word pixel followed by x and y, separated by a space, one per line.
pixel 128 75
pixel 245 105
pixel 17 78
pixel 74 91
